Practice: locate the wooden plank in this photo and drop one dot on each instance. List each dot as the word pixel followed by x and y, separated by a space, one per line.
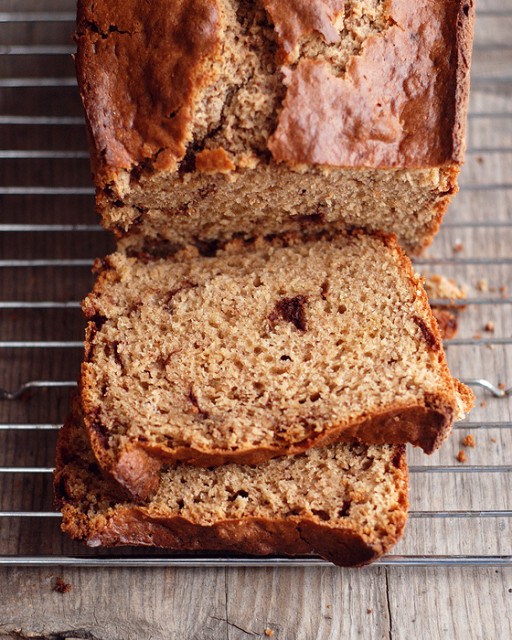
pixel 450 603
pixel 493 5
pixel 305 604
pixel 18 6
pixel 110 605
pixel 293 604
pixel 63 137
pixel 492 34
pixel 423 603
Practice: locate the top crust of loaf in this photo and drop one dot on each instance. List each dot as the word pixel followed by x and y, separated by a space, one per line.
pixel 140 67
pixel 396 114
pixel 156 80
pixel 298 19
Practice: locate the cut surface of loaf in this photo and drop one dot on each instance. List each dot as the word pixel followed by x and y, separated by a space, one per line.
pixel 347 503
pixel 260 351
pixel 209 119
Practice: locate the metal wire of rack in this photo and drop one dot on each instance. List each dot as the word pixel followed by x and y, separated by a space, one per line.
pixel 461 513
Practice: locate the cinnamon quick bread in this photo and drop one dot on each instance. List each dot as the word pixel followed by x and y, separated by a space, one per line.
pixel 347 503
pixel 215 118
pixel 261 351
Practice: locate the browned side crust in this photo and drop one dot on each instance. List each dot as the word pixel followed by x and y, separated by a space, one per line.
pixel 441 207
pixel 139 67
pixel 135 467
pixel 462 64
pixel 294 535
pixel 447 321
pixel 256 536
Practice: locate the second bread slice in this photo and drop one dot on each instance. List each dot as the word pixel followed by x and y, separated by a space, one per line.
pixel 258 352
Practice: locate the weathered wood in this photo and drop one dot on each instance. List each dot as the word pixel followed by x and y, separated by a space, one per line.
pixel 450 603
pixel 302 604
pixel 114 605
pixel 294 604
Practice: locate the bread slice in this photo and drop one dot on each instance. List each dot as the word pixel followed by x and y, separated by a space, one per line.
pixel 261 351
pixel 212 118
pixel 347 503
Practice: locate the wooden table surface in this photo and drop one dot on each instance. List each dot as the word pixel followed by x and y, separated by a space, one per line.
pixel 44 181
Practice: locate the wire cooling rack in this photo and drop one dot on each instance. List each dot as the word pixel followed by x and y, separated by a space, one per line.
pixel 461 512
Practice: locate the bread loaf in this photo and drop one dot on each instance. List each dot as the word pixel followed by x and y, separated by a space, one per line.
pixel 210 119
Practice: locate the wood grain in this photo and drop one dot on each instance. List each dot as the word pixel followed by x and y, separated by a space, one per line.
pixel 116 605
pixel 450 603
pixel 294 604
pixel 214 604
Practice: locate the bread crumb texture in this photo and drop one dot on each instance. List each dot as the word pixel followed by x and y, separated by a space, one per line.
pixel 269 346
pixel 439 287
pixel 444 294
pixel 462 457
pixel 59 586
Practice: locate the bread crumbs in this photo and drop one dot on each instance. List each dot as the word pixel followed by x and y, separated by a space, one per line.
pixel 469 441
pixel 489 326
pixel 482 285
pixel 462 457
pixel 60 586
pixel 458 247
pixel 269 632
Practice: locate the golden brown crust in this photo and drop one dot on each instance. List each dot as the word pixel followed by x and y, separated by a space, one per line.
pixel 396 114
pixel 214 161
pixel 139 67
pixel 136 524
pixel 466 395
pixel 257 536
pixel 462 64
pixel 457 395
pixel 295 19
pixel 447 321
pixel 135 469
pixel 440 208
